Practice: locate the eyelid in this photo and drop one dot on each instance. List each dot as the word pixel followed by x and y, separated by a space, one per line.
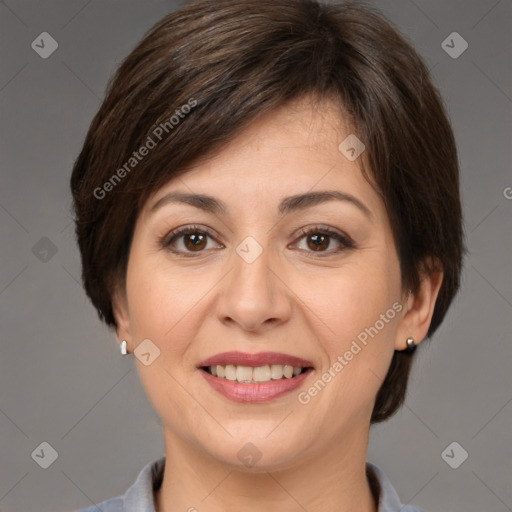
pixel 342 238
pixel 179 232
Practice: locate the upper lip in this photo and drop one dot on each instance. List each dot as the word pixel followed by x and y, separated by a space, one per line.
pixel 260 359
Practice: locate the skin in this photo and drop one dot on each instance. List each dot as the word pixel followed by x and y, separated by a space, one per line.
pixel 292 299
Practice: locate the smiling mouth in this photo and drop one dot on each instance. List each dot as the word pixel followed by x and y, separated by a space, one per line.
pixel 255 374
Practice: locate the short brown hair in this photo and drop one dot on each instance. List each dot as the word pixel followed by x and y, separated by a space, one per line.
pixel 234 61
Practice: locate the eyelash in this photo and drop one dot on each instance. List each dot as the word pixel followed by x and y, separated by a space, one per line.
pixel 170 238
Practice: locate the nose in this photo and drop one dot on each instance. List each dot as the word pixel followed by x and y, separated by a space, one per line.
pixel 255 296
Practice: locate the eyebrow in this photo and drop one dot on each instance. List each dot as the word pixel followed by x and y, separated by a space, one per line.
pixel 287 205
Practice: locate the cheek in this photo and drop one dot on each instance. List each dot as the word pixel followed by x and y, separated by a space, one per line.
pixel 161 300
pixel 162 305
pixel 354 297
pixel 355 311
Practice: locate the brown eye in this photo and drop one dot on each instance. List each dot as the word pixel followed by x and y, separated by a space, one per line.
pixel 194 241
pixel 324 241
pixel 318 242
pixel 188 240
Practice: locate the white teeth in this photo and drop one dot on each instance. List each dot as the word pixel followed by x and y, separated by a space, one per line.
pixel 261 373
pixel 288 371
pixel 243 373
pixel 249 374
pixel 277 371
pixel 230 372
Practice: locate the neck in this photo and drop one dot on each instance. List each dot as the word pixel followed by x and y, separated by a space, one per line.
pixel 332 480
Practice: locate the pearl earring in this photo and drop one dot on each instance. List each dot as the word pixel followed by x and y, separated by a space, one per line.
pixel 411 346
pixel 123 348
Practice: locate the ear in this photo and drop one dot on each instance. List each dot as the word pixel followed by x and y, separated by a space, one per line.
pixel 419 306
pixel 122 317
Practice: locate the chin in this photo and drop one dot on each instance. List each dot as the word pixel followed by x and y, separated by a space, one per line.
pixel 255 450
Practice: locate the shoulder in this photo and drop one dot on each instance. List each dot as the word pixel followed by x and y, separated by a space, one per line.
pixel 384 492
pixel 111 505
pixel 140 496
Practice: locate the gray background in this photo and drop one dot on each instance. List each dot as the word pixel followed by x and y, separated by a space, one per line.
pixel 62 379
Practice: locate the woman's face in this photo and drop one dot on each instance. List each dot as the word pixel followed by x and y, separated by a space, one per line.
pixel 266 274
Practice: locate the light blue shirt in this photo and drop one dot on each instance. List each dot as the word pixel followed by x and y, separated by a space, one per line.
pixel 140 497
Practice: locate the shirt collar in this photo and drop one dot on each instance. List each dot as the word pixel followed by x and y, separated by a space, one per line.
pixel 140 496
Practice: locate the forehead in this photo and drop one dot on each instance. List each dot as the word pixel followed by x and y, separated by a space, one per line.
pixel 291 150
pixel 298 131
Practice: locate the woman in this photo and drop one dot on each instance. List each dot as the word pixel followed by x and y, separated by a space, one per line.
pixel 268 213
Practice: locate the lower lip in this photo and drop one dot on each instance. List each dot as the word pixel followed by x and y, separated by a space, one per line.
pixel 257 392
